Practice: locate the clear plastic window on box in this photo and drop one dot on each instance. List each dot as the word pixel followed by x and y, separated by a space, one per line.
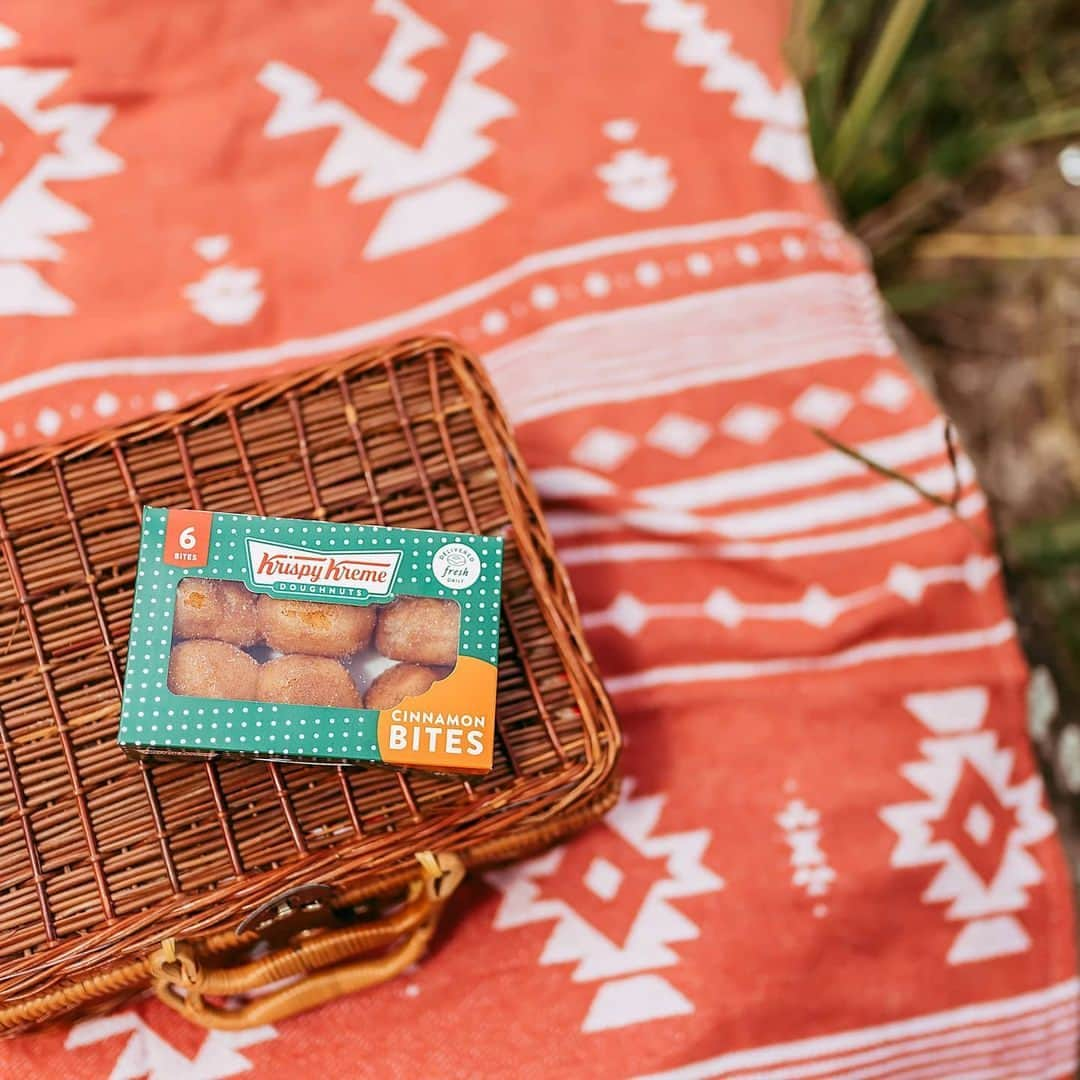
pixel 232 643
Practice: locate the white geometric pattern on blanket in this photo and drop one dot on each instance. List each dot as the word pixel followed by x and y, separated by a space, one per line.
pixel 1031 1035
pixel 751 330
pixel 226 295
pixel 394 75
pixel 810 868
pixel 819 405
pixel 679 435
pixel 30 212
pixel 431 197
pixel 817 606
pixel 985 870
pixel 148 1054
pixel 633 178
pixel 671 508
pixel 519 273
pixel 618 958
pixel 781 144
pixel 822 406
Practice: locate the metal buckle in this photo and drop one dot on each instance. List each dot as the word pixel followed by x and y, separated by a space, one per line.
pixel 303 906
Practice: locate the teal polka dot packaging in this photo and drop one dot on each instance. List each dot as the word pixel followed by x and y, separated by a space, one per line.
pixel 311 640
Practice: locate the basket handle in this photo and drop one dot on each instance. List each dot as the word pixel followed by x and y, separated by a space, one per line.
pixel 325 965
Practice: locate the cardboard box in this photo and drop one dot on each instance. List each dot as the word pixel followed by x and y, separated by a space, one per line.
pixel 313 641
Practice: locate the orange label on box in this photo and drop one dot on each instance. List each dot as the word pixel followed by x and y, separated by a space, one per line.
pixel 187 538
pixel 439 729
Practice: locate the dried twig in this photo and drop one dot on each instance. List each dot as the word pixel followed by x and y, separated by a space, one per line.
pixel 951 504
pixel 954 462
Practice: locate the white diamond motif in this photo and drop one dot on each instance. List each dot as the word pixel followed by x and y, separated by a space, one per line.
pixel 751 423
pixel 603 878
pixel 888 391
pixel 978 570
pixel 723 607
pixel 906 582
pixel 617 966
pixel 628 614
pixel 603 448
pixel 822 406
pixel 988 906
pixel 819 607
pixel 680 435
pixel 978 824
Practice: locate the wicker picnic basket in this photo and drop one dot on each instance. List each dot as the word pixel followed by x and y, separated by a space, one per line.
pixel 210 880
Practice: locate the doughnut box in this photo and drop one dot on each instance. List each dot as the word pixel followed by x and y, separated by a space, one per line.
pixel 311 640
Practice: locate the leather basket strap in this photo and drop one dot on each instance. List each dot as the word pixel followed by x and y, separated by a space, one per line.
pixel 321 967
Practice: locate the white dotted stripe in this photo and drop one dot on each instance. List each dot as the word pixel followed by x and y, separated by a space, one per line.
pixel 825 241
pixel 49 421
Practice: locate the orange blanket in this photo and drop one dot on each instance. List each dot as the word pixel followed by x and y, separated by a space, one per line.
pixel 832 856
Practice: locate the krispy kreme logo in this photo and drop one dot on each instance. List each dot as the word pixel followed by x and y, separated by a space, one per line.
pixel 285 569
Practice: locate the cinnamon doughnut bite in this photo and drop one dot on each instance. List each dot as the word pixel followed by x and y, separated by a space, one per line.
pixel 306 680
pixel 314 629
pixel 419 629
pixel 212 669
pixel 399 682
pixel 221 610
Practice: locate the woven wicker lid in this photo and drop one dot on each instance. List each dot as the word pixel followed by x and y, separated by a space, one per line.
pixel 101 856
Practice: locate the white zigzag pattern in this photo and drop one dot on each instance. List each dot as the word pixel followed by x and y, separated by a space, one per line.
pixel 394 76
pixel 147 1054
pixel 956 882
pixel 31 214
pixel 781 145
pixel 955 717
pixel 657 924
pixel 432 199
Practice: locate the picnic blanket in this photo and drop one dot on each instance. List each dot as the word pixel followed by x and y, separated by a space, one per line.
pixel 832 855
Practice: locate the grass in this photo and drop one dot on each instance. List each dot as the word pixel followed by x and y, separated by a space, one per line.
pixel 936 126
pixel 907 101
